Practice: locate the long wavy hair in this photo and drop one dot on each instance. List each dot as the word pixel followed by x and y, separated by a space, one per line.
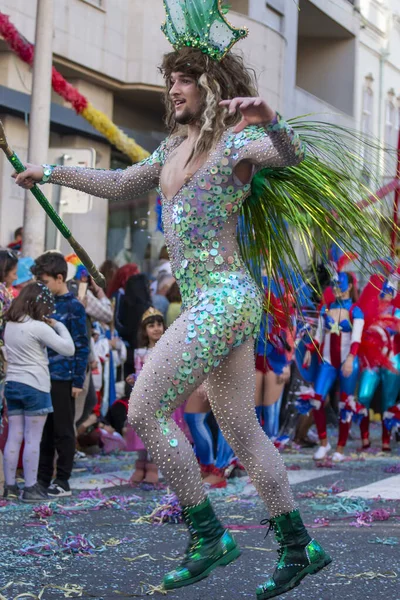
pixel 216 81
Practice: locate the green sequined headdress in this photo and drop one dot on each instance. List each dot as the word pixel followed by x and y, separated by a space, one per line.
pixel 200 24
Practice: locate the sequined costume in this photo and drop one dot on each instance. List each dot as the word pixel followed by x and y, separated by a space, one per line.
pixel 213 339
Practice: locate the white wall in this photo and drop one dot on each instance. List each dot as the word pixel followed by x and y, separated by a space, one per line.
pixel 325 68
pixel 11 195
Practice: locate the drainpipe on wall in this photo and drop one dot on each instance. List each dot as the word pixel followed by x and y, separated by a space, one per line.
pixel 382 60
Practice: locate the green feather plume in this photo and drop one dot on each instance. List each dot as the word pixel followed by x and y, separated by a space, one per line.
pixel 313 205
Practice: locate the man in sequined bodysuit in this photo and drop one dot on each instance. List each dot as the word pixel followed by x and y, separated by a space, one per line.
pixel 202 189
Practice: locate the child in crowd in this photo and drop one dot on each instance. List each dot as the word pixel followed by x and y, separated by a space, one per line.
pixel 28 332
pixel 151 329
pixel 67 377
pixel 8 269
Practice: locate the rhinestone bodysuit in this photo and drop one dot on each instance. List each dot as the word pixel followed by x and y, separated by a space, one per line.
pixel 213 339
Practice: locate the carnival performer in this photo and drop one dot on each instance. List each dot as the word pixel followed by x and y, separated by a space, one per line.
pixel 222 136
pixel 337 341
pixel 274 355
pixel 380 352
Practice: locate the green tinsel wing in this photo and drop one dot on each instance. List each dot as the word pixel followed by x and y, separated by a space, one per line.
pixel 312 205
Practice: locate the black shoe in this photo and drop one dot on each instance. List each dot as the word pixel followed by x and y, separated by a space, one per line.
pixel 43 486
pixel 35 493
pixel 11 492
pixel 59 489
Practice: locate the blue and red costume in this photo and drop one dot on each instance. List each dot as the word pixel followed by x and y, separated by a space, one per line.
pixel 338 335
pixel 380 354
pixel 275 346
pixel 335 340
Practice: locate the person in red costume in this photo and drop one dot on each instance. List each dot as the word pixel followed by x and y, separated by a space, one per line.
pixel 380 351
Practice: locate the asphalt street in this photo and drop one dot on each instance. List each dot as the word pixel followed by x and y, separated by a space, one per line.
pixel 94 545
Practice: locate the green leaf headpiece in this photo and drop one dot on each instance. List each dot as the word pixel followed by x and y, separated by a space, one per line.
pixel 200 24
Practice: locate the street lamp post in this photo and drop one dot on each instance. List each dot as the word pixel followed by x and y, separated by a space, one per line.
pixel 39 124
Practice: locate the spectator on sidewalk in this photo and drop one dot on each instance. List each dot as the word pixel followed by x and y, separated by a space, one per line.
pixel 16 244
pixel 159 300
pixel 175 303
pixel 116 291
pixel 8 268
pixel 24 273
pixel 98 308
pixel 108 269
pixel 67 377
pixel 29 331
pixel 5 302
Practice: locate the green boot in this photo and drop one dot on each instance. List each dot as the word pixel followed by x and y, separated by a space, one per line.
pixel 299 556
pixel 210 546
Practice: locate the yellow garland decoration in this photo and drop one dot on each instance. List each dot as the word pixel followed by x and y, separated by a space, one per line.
pixel 115 136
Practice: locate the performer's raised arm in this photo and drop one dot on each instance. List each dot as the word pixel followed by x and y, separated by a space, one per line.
pixel 117 184
pixel 262 137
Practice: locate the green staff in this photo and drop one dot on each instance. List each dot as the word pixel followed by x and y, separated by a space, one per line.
pixel 54 216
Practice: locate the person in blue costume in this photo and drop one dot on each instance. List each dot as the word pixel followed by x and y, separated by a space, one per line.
pixel 274 353
pixel 337 341
pixel 380 353
pixel 213 465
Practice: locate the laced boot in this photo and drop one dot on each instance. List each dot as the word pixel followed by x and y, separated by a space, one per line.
pixel 299 555
pixel 210 546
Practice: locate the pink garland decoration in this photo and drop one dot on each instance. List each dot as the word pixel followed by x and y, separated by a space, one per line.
pixel 25 50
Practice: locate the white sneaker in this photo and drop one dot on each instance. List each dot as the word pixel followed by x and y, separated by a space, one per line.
pixel 322 452
pixel 312 436
pixel 338 457
pixel 79 455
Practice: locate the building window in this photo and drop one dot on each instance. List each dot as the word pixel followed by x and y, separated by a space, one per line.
pixel 275 14
pixel 367 126
pixel 391 121
pixel 367 109
pixel 101 4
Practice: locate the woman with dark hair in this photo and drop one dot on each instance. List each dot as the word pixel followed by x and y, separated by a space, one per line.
pixel 133 304
pixel 135 301
pixel 8 268
pixel 108 269
pixel 29 332
pixel 120 278
pixel 116 291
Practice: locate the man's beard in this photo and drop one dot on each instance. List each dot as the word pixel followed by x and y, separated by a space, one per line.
pixel 187 117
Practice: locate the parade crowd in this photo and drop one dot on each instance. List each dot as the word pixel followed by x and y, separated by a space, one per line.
pixel 71 353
